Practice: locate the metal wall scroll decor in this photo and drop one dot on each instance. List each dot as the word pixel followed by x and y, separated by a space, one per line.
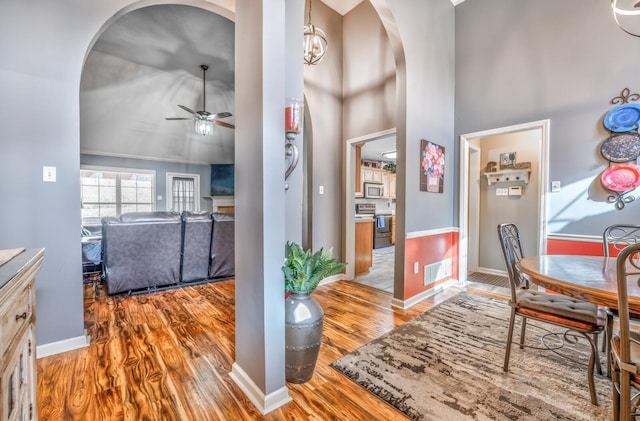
pixel 621 148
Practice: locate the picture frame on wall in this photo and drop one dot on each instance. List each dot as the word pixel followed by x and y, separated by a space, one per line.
pixel 507 160
pixel 432 163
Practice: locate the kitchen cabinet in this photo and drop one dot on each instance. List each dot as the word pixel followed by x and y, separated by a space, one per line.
pixel 17 344
pixel 393 230
pixel 372 175
pixel 389 183
pixel 376 175
pixel 364 246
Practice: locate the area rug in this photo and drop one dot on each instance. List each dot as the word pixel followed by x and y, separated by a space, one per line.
pixel 446 364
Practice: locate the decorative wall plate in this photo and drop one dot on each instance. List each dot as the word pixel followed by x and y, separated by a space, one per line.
pixel 622 118
pixel 621 147
pixel 621 178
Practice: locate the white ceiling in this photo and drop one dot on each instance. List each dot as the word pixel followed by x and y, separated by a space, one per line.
pixel 344 6
pixel 372 150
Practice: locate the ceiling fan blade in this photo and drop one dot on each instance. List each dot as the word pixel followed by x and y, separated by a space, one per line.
pixel 223 114
pixel 223 124
pixel 178 118
pixel 187 109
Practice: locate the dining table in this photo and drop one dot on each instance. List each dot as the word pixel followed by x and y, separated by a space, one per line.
pixel 589 278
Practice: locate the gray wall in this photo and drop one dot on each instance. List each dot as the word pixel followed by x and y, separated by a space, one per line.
pixel 369 74
pixel 323 94
pixel 161 168
pixel 522 61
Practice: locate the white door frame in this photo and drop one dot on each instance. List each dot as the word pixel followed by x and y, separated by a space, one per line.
pixel 543 175
pixel 349 245
pixel 474 213
pixel 169 185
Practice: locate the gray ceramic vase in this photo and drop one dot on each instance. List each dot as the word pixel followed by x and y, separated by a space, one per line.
pixel 303 324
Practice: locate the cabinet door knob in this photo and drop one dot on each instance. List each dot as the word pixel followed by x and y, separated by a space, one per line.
pixel 21 316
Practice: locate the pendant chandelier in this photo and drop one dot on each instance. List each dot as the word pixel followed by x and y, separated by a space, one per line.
pixel 315 42
pixel 627 17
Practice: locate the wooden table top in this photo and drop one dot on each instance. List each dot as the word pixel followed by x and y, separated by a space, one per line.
pixel 590 278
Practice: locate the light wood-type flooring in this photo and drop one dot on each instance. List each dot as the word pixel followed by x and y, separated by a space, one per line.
pixel 167 356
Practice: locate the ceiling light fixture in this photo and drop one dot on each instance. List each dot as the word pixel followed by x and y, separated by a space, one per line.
pixel 617 12
pixel 315 42
pixel 390 154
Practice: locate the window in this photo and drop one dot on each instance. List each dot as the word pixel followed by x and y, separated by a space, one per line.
pixel 114 191
pixel 183 191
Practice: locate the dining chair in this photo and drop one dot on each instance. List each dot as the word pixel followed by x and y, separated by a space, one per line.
pixel 625 346
pixel 575 315
pixel 614 239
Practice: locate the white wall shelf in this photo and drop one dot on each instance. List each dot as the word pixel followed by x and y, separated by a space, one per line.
pixel 505 176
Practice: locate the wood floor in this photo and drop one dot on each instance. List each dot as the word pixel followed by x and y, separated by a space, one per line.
pixel 167 356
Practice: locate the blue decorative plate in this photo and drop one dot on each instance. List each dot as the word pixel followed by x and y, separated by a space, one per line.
pixel 622 118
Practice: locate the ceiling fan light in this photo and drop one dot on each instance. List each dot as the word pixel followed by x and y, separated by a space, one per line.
pixel 315 44
pixel 390 154
pixel 203 127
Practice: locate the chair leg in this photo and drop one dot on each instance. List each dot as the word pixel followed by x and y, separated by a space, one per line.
pixel 609 336
pixel 615 380
pixel 507 354
pixel 625 394
pixel 522 332
pixel 592 363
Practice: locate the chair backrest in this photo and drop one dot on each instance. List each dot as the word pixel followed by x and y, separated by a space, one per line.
pixel 512 251
pixel 619 236
pixel 627 270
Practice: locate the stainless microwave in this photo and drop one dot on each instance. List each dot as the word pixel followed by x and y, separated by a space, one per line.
pixel 373 190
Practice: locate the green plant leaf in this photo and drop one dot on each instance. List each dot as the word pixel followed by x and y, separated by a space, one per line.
pixel 304 270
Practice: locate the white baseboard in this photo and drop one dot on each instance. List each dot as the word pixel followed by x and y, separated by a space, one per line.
pixel 334 278
pixel 264 403
pixel 405 304
pixel 64 345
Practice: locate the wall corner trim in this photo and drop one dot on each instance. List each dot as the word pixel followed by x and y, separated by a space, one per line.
pixel 264 403
pixel 405 304
pixel 427 233
pixel 64 345
pixel 331 279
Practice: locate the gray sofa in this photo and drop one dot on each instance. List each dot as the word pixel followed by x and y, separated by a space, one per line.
pixel 147 250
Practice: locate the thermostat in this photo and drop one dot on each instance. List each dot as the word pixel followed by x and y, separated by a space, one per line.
pixel 515 191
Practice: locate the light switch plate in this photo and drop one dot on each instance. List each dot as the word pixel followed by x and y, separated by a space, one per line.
pixel 555 186
pixel 49 174
pixel 502 192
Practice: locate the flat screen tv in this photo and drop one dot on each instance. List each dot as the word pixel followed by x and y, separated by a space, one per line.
pixel 222 180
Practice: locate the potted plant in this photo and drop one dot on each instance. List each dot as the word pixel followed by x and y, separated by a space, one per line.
pixel 303 271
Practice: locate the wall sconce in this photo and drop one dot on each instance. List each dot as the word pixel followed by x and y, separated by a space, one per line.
pixel 293 113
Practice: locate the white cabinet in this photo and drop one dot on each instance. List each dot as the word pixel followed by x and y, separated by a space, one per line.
pixel 17 346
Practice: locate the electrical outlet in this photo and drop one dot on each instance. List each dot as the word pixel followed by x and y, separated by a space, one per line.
pixel 416 268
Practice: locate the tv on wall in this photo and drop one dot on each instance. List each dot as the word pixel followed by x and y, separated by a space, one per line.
pixel 222 180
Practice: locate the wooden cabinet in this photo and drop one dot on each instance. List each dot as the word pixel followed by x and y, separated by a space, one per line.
pixel 393 230
pixel 364 246
pixel 17 345
pixel 375 175
pixel 372 175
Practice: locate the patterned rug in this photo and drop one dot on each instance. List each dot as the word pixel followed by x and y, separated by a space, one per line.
pixel 446 364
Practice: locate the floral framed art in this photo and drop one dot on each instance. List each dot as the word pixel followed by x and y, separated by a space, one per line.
pixel 432 159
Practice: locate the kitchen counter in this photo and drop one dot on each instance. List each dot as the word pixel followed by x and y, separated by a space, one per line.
pixel 364 244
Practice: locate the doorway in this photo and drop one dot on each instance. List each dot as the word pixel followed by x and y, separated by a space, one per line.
pixel 384 258
pixel 477 231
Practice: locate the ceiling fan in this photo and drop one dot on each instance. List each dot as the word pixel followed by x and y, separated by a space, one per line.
pixel 204 120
